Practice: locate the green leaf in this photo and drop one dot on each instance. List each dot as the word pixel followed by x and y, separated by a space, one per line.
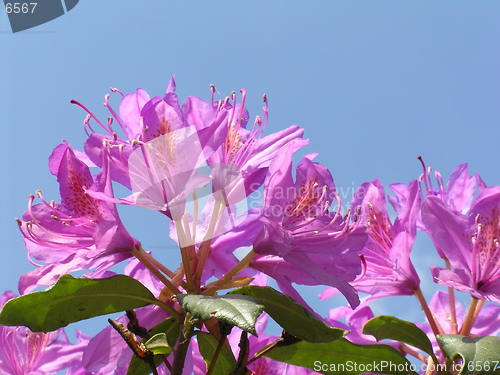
pixel 72 299
pixel 158 344
pixel 480 354
pixel 343 357
pixel 171 328
pixel 390 327
pixel 239 311
pixel 225 363
pixel 291 315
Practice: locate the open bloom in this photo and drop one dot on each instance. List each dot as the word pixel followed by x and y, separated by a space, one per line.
pixel 388 267
pixel 469 242
pixel 23 352
pixel 161 153
pixel 81 232
pixel 245 154
pixel 167 147
pixel 458 194
pixel 301 240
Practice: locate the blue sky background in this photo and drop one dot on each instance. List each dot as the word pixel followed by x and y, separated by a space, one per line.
pixel 374 84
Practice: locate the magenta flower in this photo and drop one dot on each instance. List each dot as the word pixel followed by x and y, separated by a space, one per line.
pixel 167 144
pixel 240 164
pixel 163 150
pixel 469 242
pixel 80 232
pixel 458 194
pixel 388 268
pixel 36 353
pixel 302 241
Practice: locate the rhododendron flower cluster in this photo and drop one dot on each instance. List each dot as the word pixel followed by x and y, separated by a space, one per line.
pixel 201 164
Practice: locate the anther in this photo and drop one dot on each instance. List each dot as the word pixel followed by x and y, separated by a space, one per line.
pixel 113 89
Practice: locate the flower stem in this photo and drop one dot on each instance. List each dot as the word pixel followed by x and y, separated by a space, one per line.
pixel 242 264
pixel 157 264
pixel 407 350
pixel 480 305
pixel 186 262
pixel 436 329
pixel 145 261
pixel 204 250
pixel 451 296
pixel 469 318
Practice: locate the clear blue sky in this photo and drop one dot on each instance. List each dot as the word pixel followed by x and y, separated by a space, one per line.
pixel 374 84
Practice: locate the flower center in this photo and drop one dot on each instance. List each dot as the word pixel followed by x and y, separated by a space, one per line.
pixel 22 349
pixel 485 247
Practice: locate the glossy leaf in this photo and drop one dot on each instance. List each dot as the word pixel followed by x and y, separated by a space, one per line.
pixel 225 362
pixel 342 357
pixel 236 310
pixel 291 315
pixel 158 344
pixel 72 299
pixel 171 328
pixel 390 327
pixel 480 354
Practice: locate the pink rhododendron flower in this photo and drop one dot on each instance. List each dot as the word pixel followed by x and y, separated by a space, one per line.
pixel 81 232
pixel 301 240
pixel 247 152
pixel 167 145
pixel 469 242
pixel 389 270
pixel 24 352
pixel 143 119
pixel 458 193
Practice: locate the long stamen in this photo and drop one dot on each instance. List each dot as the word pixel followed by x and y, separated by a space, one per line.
pixel 256 133
pixel 114 89
pixel 426 177
pixel 86 124
pixel 212 92
pixel 113 113
pixel 91 114
pixel 440 183
pixel 475 266
pixel 377 231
